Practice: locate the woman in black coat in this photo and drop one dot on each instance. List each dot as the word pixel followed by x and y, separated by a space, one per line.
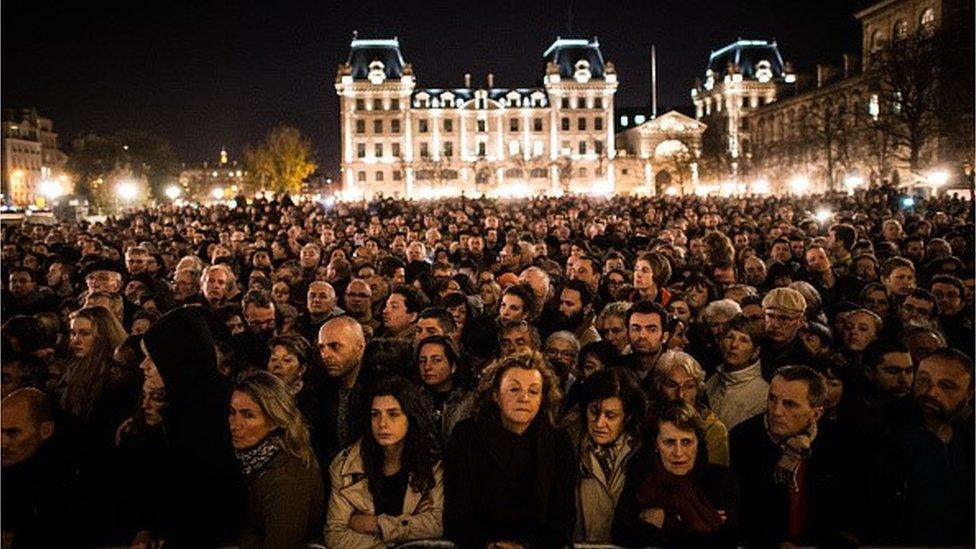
pixel 673 496
pixel 510 476
pixel 202 492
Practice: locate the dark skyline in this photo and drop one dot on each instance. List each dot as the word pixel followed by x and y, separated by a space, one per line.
pixel 205 75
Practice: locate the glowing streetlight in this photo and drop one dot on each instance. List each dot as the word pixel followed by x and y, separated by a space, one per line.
pixel 760 186
pixel 126 190
pixel 172 192
pixel 799 184
pixel 938 178
pixel 50 189
pixel 671 191
pixel 853 181
pixel 824 215
pixel 217 193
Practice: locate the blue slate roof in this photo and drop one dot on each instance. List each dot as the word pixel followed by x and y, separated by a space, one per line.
pixel 364 52
pixel 746 54
pixel 565 52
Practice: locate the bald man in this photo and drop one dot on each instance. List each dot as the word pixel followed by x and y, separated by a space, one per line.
pixel 342 344
pixel 320 305
pixel 39 488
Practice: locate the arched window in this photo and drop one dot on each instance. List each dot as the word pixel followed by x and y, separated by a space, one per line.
pixel 927 21
pixel 877 40
pixel 900 30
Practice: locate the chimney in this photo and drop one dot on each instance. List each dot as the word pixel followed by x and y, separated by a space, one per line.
pixel 491 80
pixel 821 75
pixel 467 80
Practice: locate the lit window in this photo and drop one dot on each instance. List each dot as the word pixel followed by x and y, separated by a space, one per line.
pixel 624 121
pixel 640 119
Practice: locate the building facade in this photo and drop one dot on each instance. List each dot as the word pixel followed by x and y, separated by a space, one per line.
pixel 740 78
pixel 660 155
pixel 894 113
pixel 32 161
pixel 402 140
pixel 213 181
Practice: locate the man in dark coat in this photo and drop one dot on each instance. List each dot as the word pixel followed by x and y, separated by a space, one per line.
pixel 788 477
pixel 914 483
pixel 342 343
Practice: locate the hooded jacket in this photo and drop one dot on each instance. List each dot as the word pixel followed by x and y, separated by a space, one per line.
pixel 203 495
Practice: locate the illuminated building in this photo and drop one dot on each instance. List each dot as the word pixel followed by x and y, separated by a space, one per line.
pixel 30 156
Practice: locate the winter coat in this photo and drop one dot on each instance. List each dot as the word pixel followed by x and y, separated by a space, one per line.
pixel 597 495
pixel 285 505
pixel 737 396
pixel 488 498
pixel 422 516
pixel 201 504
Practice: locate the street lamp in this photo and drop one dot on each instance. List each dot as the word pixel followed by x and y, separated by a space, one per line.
pixel 50 189
pixel 217 193
pixel 823 215
pixel 938 178
pixel 172 192
pixel 799 184
pixel 126 190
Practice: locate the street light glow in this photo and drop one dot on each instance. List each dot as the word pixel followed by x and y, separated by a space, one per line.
pixel 824 215
pixel 799 184
pixel 217 193
pixel 938 178
pixel 760 186
pixel 126 190
pixel 50 189
pixel 172 192
pixel 852 181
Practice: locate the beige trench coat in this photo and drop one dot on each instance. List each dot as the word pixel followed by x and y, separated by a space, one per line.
pixel 422 516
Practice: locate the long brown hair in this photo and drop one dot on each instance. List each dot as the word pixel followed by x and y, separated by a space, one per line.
pixel 87 376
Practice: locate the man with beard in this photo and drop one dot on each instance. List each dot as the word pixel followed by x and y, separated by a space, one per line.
pixel 576 312
pixel 342 344
pixel 259 314
pixel 888 367
pixel 358 301
pixel 647 326
pixel 914 486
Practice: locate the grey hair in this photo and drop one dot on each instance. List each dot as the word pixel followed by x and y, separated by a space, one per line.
pixel 565 336
pixel 724 307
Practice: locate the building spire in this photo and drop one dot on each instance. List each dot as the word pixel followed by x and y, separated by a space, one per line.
pixel 223 156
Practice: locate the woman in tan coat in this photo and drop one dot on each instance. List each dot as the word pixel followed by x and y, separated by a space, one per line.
pixel 614 406
pixel 388 488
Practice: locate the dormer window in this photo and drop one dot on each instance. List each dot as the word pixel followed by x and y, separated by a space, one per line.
pixel 764 71
pixel 514 99
pixel 377 72
pixel 582 73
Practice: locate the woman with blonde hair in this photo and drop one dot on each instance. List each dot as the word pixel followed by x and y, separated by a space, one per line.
pixel 285 495
pixel 95 333
pixel 510 475
pixel 678 376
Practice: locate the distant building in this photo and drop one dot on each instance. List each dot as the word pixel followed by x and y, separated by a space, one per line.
pixel 776 131
pixel 660 155
pixel 399 139
pixel 740 78
pixel 222 179
pixel 30 156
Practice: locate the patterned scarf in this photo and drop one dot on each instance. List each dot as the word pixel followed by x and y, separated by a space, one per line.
pixel 254 460
pixel 794 449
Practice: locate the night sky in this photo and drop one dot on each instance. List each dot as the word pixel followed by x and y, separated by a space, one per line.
pixel 208 74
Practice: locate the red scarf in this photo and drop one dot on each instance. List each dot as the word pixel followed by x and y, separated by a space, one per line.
pixel 685 506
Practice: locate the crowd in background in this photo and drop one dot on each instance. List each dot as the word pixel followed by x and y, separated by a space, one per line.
pixel 670 372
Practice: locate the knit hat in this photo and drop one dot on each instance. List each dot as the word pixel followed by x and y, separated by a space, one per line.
pixel 787 300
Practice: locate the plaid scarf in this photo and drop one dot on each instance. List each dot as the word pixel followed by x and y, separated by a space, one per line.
pixel 794 449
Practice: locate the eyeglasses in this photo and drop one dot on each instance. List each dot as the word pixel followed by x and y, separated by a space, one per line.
pixel 780 318
pixel 564 354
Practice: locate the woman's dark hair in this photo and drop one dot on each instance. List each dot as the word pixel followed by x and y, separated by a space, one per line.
pixel 620 383
pixel 467 287
pixel 420 446
pixel 388 355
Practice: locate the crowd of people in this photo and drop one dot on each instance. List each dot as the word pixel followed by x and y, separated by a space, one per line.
pixel 670 372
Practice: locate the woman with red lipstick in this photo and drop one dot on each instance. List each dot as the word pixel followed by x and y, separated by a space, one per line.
pixel 387 488
pixel 285 497
pixel 677 498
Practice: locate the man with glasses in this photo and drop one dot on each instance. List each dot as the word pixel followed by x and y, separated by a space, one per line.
pixel 784 314
pixel 358 302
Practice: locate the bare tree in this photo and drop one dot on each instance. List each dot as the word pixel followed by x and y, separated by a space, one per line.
pixel 906 78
